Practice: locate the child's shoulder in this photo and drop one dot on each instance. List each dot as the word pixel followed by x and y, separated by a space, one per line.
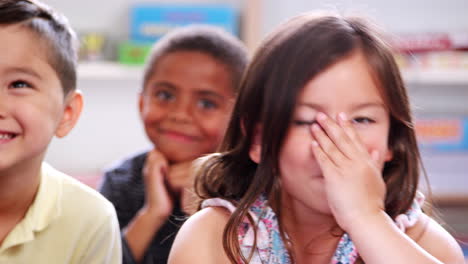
pixel 200 238
pixel 130 165
pixel 209 220
pixel 69 214
pixel 73 198
pixel 431 236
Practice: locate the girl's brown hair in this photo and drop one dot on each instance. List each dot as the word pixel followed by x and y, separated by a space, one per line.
pixel 290 57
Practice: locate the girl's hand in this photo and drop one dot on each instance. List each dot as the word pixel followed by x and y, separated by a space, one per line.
pixel 353 180
pixel 157 190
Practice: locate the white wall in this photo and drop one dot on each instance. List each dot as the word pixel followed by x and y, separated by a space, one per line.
pixel 394 15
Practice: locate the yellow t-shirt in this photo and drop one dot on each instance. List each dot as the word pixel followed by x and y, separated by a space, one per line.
pixel 67 223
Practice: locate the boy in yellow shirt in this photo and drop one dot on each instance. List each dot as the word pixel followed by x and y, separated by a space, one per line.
pixel 45 216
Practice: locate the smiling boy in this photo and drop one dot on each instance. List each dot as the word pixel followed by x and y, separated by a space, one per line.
pixel 188 90
pixel 45 216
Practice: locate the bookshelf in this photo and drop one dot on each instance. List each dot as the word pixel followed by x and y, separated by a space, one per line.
pixel 436 76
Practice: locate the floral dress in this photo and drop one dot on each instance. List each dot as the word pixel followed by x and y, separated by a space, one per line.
pixel 270 248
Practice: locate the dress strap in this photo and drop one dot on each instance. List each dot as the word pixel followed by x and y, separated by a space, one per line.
pixel 269 248
pixel 410 218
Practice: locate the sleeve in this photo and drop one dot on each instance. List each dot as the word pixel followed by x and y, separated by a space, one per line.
pixel 126 252
pixel 105 247
pixel 108 190
pixel 106 187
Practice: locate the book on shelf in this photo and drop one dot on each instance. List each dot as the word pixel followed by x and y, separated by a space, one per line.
pixel 428 42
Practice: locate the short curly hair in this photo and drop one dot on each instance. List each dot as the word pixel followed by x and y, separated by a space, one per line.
pixel 206 39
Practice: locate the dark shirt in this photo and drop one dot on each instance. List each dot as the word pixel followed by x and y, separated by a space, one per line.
pixel 123 185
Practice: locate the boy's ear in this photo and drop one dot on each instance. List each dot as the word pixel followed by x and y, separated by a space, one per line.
pixel 255 151
pixel 141 103
pixel 71 113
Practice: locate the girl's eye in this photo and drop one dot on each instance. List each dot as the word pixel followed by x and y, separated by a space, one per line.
pixel 207 104
pixel 20 84
pixel 304 122
pixel 363 120
pixel 164 95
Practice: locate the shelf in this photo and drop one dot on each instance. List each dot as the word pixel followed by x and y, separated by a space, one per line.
pixel 450 199
pixel 436 76
pixel 116 71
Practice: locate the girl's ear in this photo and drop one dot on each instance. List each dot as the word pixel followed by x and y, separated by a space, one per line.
pixel 71 113
pixel 255 151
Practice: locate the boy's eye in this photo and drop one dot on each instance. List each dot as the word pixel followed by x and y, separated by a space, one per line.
pixel 363 120
pixel 304 122
pixel 164 95
pixel 207 104
pixel 20 84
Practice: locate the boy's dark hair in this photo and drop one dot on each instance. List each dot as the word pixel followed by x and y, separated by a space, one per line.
pixel 53 29
pixel 206 39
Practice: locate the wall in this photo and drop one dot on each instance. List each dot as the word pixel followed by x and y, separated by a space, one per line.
pixel 395 15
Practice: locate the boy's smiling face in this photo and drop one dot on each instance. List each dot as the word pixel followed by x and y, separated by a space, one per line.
pixel 32 103
pixel 186 103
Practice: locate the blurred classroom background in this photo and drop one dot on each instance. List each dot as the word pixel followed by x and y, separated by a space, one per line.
pixel 431 37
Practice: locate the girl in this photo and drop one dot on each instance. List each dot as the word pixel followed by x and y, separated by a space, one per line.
pixel 320 162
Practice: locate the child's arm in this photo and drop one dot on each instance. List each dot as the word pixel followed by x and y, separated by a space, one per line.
pixel 200 240
pixel 379 241
pixel 158 206
pixel 431 236
pixel 104 246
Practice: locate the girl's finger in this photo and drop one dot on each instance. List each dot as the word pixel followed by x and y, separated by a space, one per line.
pixel 375 156
pixel 328 146
pixel 351 133
pixel 337 134
pixel 322 159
